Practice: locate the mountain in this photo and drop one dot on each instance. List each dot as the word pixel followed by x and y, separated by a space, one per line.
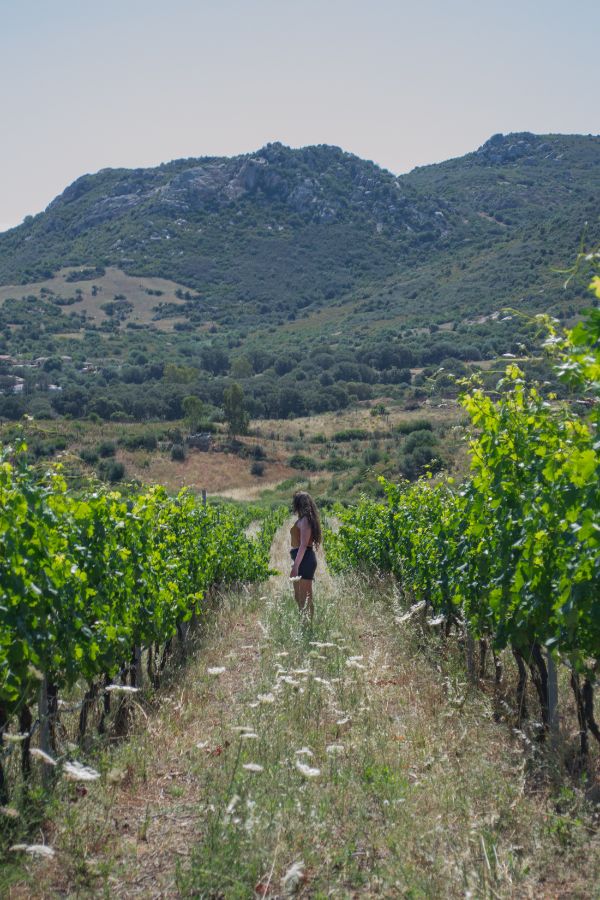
pixel 318 219
pixel 269 256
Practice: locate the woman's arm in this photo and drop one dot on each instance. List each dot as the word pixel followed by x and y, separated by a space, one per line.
pixel 305 539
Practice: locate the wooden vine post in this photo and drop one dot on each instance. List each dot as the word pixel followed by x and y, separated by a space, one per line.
pixel 43 714
pixel 553 715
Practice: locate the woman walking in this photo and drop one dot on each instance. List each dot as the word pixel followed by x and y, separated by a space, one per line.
pixel 305 538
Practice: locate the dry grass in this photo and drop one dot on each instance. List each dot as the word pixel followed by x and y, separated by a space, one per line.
pixel 221 474
pixel 113 282
pixel 328 423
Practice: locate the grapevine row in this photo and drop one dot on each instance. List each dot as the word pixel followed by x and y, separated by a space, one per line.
pixel 515 552
pixel 86 578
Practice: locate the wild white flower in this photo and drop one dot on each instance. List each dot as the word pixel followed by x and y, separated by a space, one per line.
pixel 202 745
pixel 417 607
pixel 215 670
pixel 343 721
pixel 41 755
pixel 249 736
pixel 254 704
pixel 304 751
pixel 9 811
pixel 332 749
pixel 307 771
pixel 322 645
pixel 34 850
pixel 293 878
pixel 354 664
pixel 287 679
pixel 252 819
pixel 282 654
pixel 14 738
pixel 233 803
pixel 241 728
pixel 355 658
pixel 322 681
pixel 253 767
pixel 301 671
pixel 76 771
pixel 266 698
pixel 121 689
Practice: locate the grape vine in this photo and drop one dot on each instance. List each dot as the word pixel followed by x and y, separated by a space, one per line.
pixel 515 552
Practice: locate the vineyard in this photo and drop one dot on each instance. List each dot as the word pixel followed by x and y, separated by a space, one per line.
pixel 278 722
pixel 512 556
pixel 90 581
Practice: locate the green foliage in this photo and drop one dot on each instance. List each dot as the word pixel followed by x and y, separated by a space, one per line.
pixel 517 551
pixel 111 470
pixel 413 425
pixel 106 449
pixel 301 461
pixel 364 276
pixel 194 410
pixel 84 578
pixel 235 411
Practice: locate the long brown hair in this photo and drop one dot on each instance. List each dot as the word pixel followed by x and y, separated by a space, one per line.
pixel 304 507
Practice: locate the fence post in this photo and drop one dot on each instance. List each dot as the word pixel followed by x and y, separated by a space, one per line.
pixel 44 727
pixel 204 496
pixel 470 651
pixel 137 663
pixel 553 716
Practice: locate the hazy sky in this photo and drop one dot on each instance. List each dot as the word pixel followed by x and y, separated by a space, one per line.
pixel 86 84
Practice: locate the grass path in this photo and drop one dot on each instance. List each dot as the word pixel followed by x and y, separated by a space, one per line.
pixel 324 761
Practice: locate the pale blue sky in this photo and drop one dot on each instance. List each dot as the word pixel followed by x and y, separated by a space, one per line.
pixel 86 84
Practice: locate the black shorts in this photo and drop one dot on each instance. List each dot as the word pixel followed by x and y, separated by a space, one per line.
pixel 308 566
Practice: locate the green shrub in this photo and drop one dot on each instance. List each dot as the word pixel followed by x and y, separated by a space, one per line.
pixel 300 461
pixel 257 468
pixel 414 425
pixel 351 434
pixel 178 453
pixel 371 456
pixel 145 441
pixel 337 464
pixel 89 456
pixel 420 438
pixel 106 449
pixel 111 470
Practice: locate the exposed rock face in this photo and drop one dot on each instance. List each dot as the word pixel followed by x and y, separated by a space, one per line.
pixel 321 184
pixel 210 220
pixel 501 149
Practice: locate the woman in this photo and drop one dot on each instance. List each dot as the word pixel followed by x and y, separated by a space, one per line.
pixel 306 537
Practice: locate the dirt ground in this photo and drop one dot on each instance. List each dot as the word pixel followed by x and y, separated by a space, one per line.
pixel 218 473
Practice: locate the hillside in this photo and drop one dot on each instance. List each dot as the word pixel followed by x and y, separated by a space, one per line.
pixel 243 267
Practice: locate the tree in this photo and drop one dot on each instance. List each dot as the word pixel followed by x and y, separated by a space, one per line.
pixel 194 411
pixel 235 411
pixel 242 368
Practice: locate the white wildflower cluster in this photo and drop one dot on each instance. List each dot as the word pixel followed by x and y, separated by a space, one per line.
pixel 40 850
pixel 76 771
pixel 293 878
pixel 307 771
